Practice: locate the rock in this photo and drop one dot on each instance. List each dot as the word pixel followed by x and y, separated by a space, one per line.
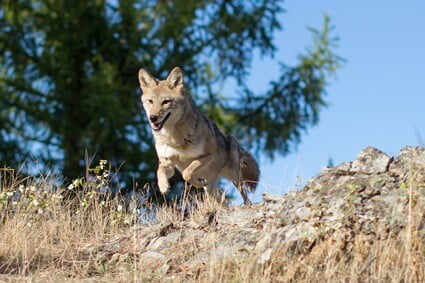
pixel 159 244
pixel 267 197
pixel 152 259
pixel 344 166
pixel 266 241
pixel 409 159
pixel 155 262
pixel 118 257
pixel 371 160
pixel 265 257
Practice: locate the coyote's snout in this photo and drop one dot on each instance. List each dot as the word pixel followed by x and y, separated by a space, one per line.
pixel 185 138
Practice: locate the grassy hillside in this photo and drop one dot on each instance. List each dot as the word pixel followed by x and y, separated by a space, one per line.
pixel 75 233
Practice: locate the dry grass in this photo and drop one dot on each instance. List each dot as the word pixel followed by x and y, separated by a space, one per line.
pixel 45 238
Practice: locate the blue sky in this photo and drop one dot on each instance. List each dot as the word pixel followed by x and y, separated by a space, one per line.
pixel 377 98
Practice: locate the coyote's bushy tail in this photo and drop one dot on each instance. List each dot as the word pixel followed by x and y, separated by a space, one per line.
pixel 250 172
pixel 245 172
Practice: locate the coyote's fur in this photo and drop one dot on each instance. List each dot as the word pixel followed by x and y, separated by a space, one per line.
pixel 185 138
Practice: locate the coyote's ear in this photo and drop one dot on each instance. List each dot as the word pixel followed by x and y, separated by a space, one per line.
pixel 175 78
pixel 146 81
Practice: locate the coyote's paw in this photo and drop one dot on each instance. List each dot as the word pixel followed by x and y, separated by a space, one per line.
pixel 163 185
pixel 187 175
pixel 202 181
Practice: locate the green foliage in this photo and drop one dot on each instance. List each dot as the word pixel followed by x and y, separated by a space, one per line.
pixel 68 77
pixel 274 121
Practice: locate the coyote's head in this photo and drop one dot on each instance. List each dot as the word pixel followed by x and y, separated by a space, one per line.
pixel 164 101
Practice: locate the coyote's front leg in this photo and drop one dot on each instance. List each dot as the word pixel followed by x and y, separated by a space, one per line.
pixel 164 172
pixel 195 167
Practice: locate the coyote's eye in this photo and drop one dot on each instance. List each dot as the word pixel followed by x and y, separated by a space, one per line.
pixel 150 101
pixel 167 101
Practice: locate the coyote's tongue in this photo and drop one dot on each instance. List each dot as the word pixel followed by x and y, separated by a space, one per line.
pixel 158 126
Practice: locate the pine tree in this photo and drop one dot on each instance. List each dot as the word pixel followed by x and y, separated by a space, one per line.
pixel 68 77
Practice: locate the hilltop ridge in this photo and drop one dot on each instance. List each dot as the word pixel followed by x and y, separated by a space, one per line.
pixel 348 212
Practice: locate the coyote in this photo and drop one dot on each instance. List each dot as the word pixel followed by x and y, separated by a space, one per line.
pixel 185 138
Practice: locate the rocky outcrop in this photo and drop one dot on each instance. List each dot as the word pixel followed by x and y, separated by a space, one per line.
pixel 373 197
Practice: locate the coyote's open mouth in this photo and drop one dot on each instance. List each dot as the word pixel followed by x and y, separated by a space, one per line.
pixel 158 125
